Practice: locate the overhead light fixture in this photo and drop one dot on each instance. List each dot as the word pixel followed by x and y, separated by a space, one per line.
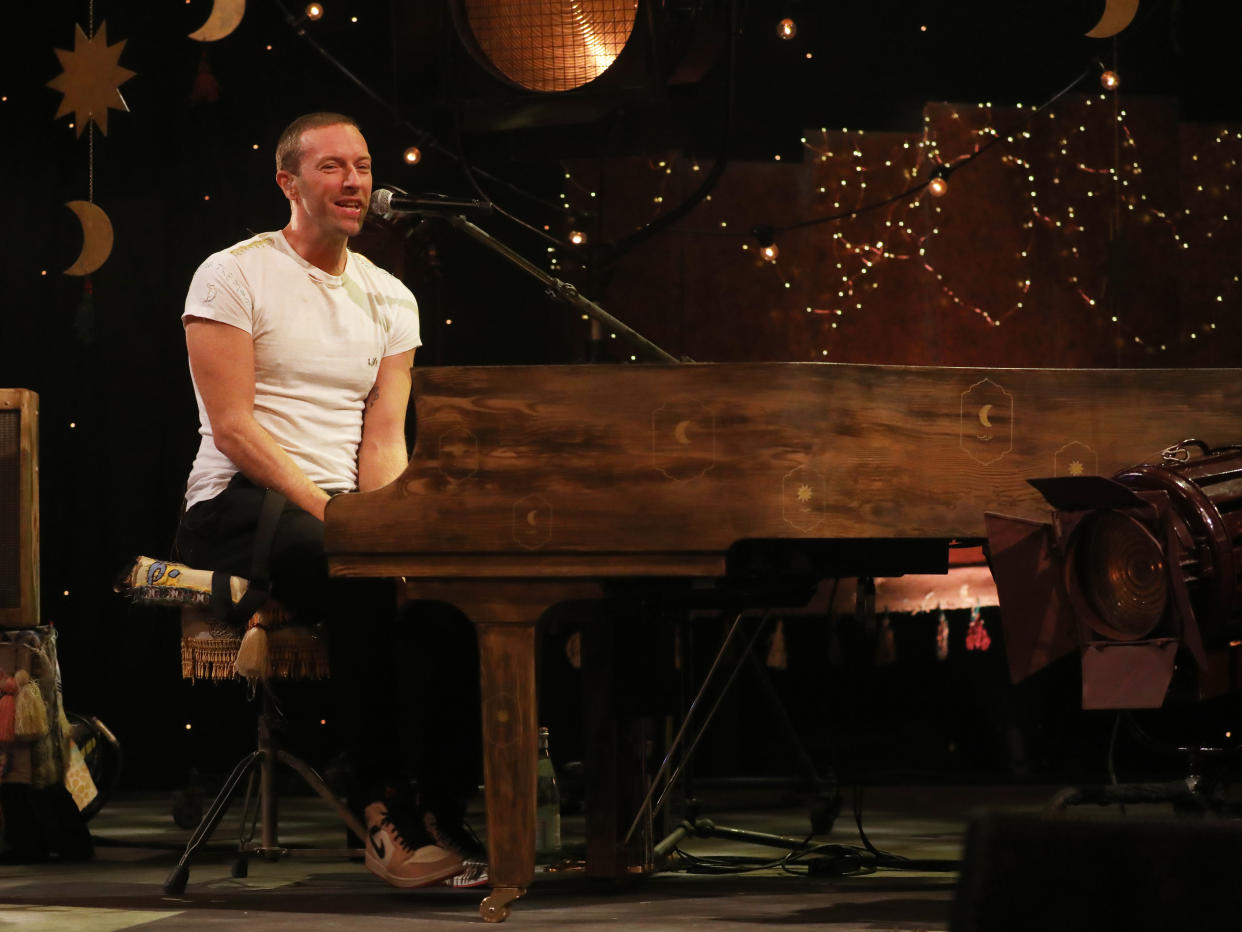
pixel 1139 572
pixel 544 46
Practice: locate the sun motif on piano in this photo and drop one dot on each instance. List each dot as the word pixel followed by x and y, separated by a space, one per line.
pixel 804 493
pixel 1076 468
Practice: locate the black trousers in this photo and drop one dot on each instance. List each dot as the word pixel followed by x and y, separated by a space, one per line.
pixel 405 682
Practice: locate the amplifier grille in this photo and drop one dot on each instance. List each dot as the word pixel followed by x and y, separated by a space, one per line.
pixel 10 508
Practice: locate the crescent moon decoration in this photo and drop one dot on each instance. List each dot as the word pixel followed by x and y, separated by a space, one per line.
pixel 91 80
pixel 532 517
pixel 1117 15
pixel 679 432
pixel 96 237
pixel 224 18
pixel 983 415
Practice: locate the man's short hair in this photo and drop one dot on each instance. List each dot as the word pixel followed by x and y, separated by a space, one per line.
pixel 289 148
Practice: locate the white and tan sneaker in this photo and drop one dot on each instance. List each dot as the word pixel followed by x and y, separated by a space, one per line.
pixel 408 858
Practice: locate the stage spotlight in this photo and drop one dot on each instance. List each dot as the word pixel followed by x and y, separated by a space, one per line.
pixel 1139 572
pixel 546 46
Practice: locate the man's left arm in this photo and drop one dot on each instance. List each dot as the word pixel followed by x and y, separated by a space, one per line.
pixel 382 455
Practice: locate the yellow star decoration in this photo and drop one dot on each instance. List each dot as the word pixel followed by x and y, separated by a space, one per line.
pixel 92 78
pixel 804 494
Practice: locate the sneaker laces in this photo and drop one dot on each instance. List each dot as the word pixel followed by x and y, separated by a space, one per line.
pixel 457 837
pixel 399 824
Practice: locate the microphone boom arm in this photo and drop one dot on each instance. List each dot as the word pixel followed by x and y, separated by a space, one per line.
pixel 561 291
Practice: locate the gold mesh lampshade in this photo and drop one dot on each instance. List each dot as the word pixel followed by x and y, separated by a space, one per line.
pixel 548 45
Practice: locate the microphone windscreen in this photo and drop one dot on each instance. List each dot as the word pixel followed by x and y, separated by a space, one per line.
pixel 381 203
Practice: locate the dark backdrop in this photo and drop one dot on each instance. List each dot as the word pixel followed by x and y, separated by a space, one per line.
pixel 180 177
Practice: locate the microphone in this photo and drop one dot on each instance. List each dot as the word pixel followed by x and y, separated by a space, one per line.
pixel 389 205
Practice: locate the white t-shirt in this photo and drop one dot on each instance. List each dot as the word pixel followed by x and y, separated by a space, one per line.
pixel 318 342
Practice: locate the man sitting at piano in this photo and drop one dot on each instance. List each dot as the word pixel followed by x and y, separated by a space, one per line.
pixel 300 352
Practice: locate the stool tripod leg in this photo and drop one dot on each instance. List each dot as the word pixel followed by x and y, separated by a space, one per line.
pixel 174 884
pixel 317 783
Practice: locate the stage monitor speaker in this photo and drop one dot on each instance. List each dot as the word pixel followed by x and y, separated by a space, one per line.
pixel 1025 873
pixel 19 508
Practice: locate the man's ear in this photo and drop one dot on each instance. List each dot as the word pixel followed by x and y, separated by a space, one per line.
pixel 287 183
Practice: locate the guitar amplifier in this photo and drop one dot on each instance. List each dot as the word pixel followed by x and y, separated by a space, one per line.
pixel 19 508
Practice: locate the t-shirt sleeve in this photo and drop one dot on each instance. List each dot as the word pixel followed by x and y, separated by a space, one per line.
pixel 403 330
pixel 219 292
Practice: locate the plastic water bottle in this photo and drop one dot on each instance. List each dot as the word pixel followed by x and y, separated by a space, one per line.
pixel 547 803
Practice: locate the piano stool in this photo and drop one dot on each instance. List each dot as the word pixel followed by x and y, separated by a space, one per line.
pixel 273 647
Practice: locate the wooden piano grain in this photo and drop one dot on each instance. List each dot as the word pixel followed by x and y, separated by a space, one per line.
pixel 532 485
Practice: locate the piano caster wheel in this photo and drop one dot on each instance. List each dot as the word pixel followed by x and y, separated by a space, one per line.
pixel 495 908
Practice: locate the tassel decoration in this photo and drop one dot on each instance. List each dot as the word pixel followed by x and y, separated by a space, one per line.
pixel 29 709
pixel 8 704
pixel 778 658
pixel 252 655
pixel 885 642
pixel 942 636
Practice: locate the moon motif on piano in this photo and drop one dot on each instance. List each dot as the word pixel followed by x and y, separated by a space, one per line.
pixel 532 521
pixel 986 415
pixel 683 439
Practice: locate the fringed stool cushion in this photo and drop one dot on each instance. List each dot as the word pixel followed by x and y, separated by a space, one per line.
pixel 211 649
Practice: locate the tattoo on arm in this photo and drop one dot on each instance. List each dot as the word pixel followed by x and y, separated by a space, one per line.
pixel 373 397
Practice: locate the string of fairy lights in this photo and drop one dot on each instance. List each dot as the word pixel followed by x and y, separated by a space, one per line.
pixel 888 198
pixel 889 205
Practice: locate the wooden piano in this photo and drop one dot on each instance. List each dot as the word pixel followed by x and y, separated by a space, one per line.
pixel 531 486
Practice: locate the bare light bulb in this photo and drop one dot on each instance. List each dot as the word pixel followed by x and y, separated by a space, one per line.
pixel 938 186
pixel 577 237
pixel 314 11
pixel 770 252
pixel 1110 81
pixel 413 155
pixel 786 28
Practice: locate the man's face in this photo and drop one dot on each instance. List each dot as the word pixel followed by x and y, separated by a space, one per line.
pixel 332 188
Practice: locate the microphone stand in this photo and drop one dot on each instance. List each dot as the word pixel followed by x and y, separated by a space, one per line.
pixel 561 291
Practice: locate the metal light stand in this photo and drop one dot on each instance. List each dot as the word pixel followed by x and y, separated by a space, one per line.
pixel 704 828
pixel 1194 793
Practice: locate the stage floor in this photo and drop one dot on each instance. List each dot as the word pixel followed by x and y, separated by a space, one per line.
pixel 138 843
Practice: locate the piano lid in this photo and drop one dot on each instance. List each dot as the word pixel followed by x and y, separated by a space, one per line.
pixel 536 461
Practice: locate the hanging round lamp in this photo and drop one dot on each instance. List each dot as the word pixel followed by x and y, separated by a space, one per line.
pixel 546 45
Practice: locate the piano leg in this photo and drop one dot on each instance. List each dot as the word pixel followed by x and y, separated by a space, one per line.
pixel 507 671
pixel 504 612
